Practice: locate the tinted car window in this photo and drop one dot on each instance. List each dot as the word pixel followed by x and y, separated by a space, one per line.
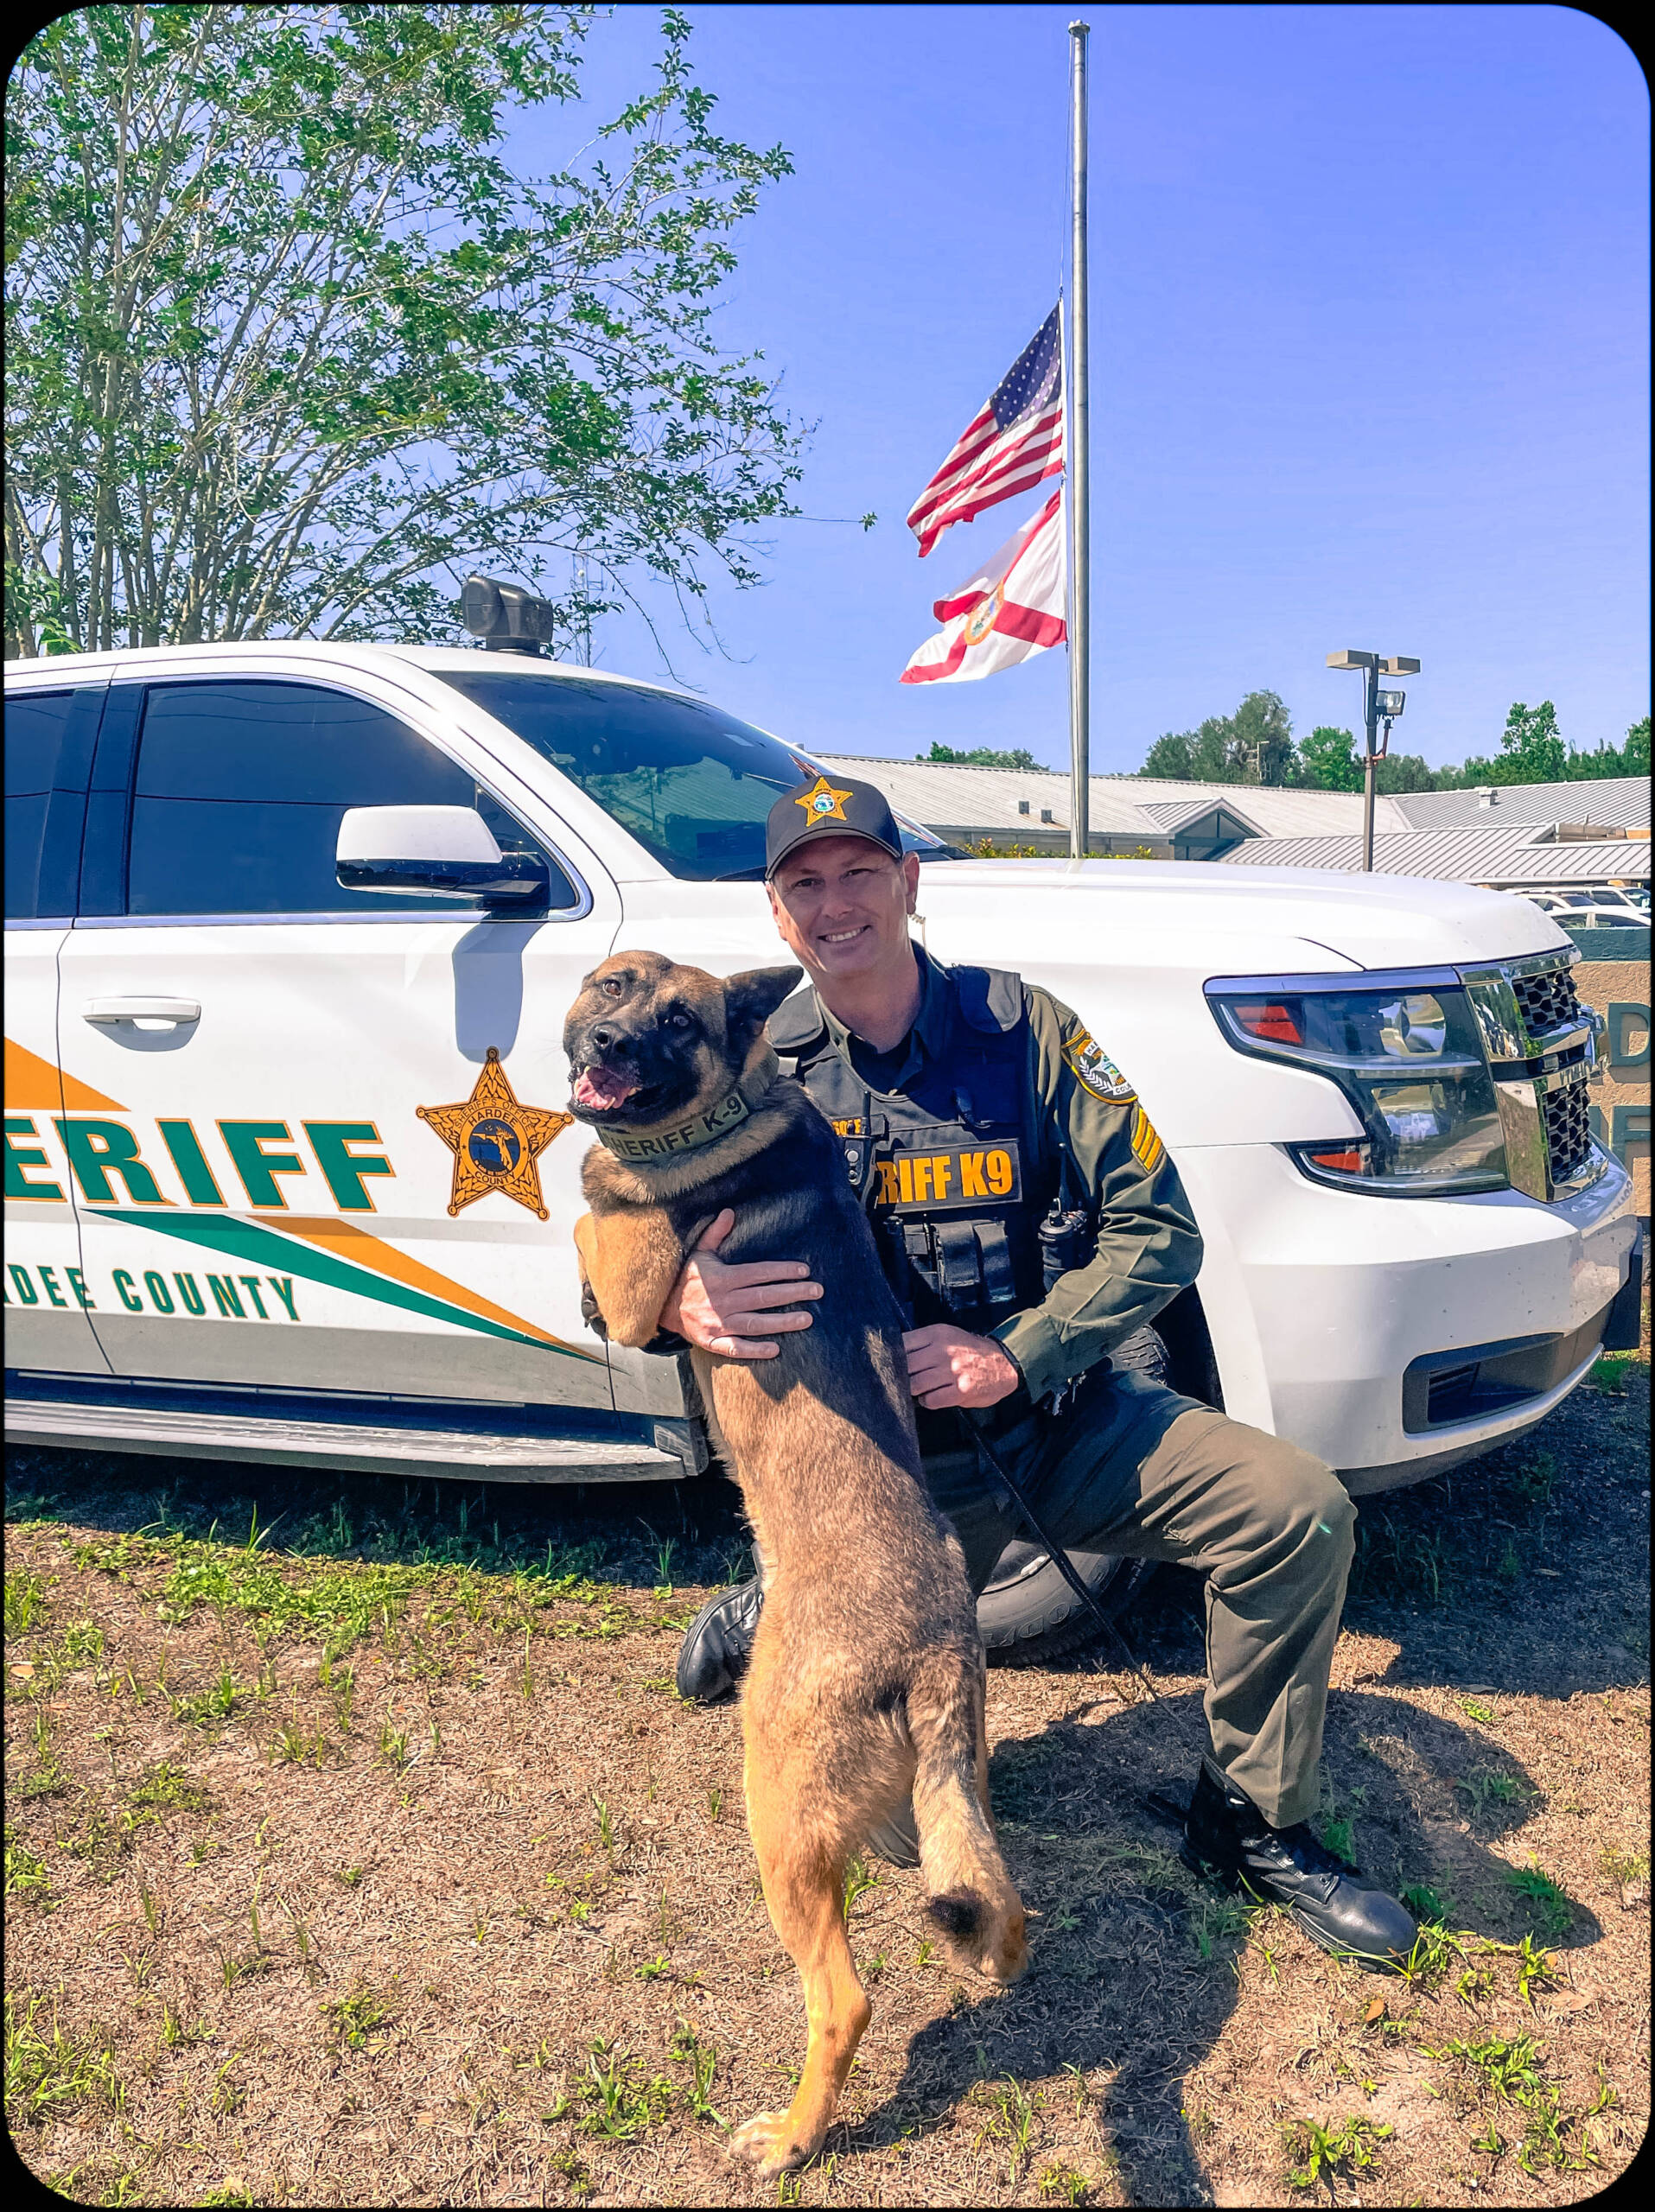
pixel 35 725
pixel 691 783
pixel 240 787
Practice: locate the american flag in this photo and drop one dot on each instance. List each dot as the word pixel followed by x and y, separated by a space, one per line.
pixel 1013 441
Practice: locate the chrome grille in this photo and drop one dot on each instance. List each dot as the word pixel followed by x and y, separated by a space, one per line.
pixel 1546 1000
pixel 1569 1131
pixel 1537 1037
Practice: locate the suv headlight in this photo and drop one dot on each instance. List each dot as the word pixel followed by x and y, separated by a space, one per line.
pixel 1406 1050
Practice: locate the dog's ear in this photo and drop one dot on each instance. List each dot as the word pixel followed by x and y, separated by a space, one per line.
pixel 750 999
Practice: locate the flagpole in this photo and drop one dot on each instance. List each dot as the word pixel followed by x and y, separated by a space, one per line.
pixel 1076 426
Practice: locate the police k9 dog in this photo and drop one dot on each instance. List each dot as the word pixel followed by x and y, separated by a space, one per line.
pixel 866 1683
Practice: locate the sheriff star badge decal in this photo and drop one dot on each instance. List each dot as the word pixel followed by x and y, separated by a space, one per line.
pixel 822 803
pixel 495 1141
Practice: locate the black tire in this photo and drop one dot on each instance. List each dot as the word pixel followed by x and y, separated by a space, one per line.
pixel 1027 1614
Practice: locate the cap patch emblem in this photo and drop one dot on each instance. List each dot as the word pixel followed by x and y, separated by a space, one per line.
pixel 1094 1071
pixel 822 803
pixel 495 1141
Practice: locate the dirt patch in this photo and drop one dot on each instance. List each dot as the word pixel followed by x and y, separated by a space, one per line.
pixel 358 1851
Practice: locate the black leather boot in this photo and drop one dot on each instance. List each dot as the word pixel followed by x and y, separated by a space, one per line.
pixel 713 1656
pixel 1225 1834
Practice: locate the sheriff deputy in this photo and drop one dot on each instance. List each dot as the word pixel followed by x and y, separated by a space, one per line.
pixel 968 1101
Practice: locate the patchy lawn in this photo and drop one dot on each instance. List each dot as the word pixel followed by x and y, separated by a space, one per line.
pixel 358 1851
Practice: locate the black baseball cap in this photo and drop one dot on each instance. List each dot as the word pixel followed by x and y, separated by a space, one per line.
pixel 825 807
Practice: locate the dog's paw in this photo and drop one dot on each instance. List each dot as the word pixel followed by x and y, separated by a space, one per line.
pixel 769 2142
pixel 1007 1958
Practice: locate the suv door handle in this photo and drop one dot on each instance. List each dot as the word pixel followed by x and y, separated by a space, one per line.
pixel 174 1012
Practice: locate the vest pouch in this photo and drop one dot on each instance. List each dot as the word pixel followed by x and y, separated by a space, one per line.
pixel 999 1273
pixel 916 1243
pixel 959 1268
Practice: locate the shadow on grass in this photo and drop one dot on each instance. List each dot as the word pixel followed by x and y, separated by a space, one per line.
pixel 634 1535
pixel 1524 1573
pixel 1520 1573
pixel 1132 1970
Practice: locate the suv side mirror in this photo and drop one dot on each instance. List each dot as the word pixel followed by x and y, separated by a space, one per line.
pixel 435 852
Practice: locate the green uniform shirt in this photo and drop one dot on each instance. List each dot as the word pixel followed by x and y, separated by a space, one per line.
pixel 1077 1102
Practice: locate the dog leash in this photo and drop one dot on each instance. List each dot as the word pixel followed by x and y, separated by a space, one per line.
pixel 1060 1558
pixel 893 1260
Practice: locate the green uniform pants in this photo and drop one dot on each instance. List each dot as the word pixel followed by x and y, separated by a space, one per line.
pixel 1132 1467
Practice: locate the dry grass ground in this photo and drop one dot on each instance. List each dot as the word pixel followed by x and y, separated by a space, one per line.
pixel 360 1852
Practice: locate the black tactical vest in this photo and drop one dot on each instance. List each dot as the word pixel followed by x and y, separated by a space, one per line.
pixel 947 1171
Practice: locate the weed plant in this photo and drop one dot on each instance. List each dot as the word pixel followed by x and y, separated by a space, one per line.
pixel 26 1876
pixel 687 2049
pixel 1340 2150
pixel 1547 1901
pixel 1011 2117
pixel 50 2072
pixel 354 2021
pixel 25 1603
pixel 614 2095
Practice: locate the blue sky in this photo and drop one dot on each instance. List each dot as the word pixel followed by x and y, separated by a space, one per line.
pixel 1370 344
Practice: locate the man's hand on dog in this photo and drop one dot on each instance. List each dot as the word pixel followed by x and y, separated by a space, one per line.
pixel 727 1309
pixel 948 1366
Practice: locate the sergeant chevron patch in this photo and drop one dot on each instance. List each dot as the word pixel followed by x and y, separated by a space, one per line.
pixel 1094 1071
pixel 1147 1148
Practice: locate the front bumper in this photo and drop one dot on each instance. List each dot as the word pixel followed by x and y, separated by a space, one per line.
pixel 1320 1302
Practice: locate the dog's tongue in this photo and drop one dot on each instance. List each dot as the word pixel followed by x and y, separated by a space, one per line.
pixel 598 1087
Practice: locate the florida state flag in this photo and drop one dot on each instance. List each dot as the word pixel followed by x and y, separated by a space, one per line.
pixel 1012 609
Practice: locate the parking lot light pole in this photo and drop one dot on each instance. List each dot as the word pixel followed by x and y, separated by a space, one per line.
pixel 1377 706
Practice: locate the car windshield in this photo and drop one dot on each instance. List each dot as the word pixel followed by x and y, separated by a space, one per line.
pixel 691 783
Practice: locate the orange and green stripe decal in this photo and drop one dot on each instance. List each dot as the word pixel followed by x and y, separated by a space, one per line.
pixel 383 1275
pixel 35 1086
pixel 350 1241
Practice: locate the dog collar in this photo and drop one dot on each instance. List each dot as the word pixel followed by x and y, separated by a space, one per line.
pixel 652 1146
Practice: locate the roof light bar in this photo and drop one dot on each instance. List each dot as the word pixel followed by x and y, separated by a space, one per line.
pixel 507 619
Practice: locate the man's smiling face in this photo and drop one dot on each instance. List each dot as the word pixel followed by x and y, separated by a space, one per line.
pixel 842 905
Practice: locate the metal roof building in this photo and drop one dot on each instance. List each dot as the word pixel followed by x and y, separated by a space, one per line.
pixel 1522 856
pixel 1461 836
pixel 1611 802
pixel 1031 806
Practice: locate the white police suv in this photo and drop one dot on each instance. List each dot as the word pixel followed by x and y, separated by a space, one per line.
pixel 291 932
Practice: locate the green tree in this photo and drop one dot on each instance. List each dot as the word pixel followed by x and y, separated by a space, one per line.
pixel 1590 768
pixel 1531 749
pixel 1253 746
pixel 290 348
pixel 983 756
pixel 1629 759
pixel 1264 740
pixel 1170 756
pixel 1406 772
pixel 1328 761
pixel 1470 773
pixel 1207 754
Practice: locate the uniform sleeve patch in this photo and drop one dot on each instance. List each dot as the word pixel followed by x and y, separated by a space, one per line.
pixel 1147 1148
pixel 1094 1071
